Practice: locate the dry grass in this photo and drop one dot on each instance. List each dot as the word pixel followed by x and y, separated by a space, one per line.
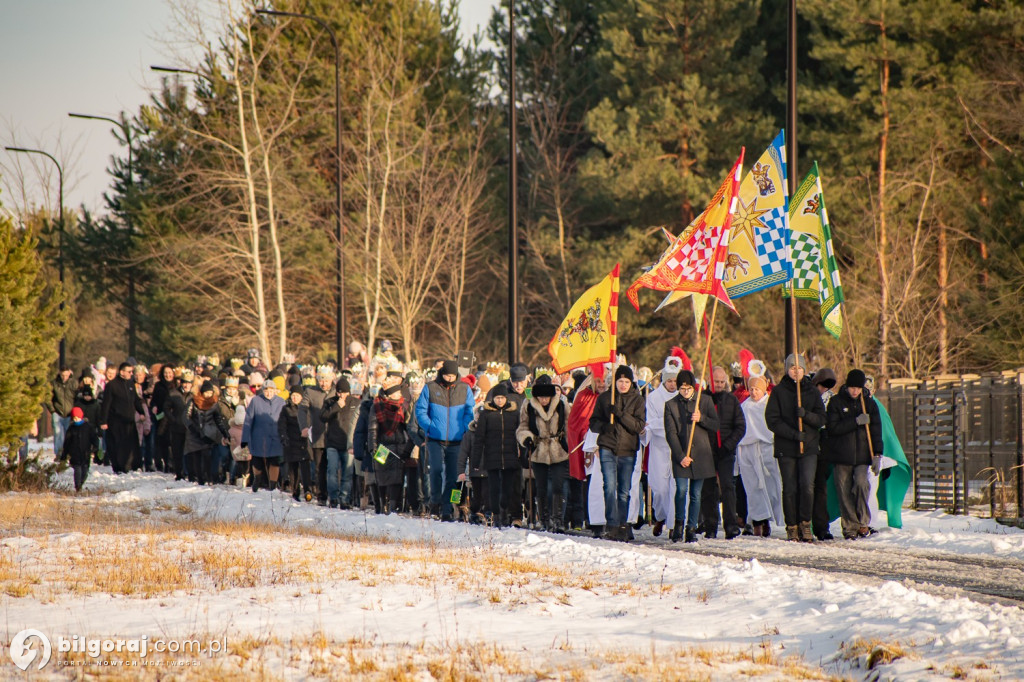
pixel 705 663
pixel 875 652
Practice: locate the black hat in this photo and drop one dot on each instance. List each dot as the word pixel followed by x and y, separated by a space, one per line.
pixel 207 386
pixel 449 367
pixel 623 371
pixel 518 372
pixel 501 389
pixel 543 388
pixel 856 379
pixel 686 378
pixel 342 386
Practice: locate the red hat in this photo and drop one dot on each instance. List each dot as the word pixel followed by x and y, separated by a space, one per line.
pixel 76 413
pixel 470 379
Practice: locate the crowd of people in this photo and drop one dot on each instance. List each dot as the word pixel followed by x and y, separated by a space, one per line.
pixel 604 451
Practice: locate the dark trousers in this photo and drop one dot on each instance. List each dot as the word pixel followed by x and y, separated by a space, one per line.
pixel 202 466
pixel 478 497
pixel 81 473
pixel 741 500
pixel 320 464
pixel 503 489
pixel 413 498
pixel 797 488
pixel 819 514
pixel 391 498
pixel 575 511
pixel 178 453
pixel 300 471
pixel 720 490
pixel 122 442
pixel 162 449
pixel 550 480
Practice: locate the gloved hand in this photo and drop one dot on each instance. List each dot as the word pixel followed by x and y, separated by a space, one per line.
pixel 244 444
pixel 801 413
pixel 801 437
pixel 876 464
pixel 863 419
pixel 528 443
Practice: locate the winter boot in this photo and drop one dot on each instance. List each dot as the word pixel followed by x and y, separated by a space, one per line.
pixel 657 527
pixel 676 534
pixel 690 535
pixel 557 523
pixel 793 533
pixel 805 532
pixel 435 511
pixel 626 533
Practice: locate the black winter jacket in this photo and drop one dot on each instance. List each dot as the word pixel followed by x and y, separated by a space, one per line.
pixel 340 419
pixel 494 441
pixel 293 419
pixel 678 412
pixel 781 417
pixel 847 440
pixel 80 442
pixel 732 425
pixel 120 402
pixel 398 442
pixel 90 405
pixel 630 410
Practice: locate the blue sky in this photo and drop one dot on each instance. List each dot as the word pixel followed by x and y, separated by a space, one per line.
pixel 92 57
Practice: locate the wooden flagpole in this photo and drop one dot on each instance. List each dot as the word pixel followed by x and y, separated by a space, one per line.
pixel 700 384
pixel 796 359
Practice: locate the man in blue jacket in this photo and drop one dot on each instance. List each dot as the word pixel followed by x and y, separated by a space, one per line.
pixel 444 411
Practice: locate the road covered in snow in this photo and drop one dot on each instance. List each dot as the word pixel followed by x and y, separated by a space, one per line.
pixel 304 592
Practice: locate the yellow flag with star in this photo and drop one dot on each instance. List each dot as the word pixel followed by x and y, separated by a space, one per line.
pixel 758 248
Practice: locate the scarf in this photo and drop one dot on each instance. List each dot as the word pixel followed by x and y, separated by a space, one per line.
pixel 390 415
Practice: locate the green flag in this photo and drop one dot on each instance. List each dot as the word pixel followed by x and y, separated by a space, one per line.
pixel 815 272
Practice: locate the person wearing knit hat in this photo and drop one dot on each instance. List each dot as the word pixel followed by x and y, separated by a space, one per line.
pixel 336 466
pixel 619 423
pixel 854 447
pixel 541 431
pixel 659 458
pixel 444 411
pixel 80 442
pixel 824 380
pixel 795 414
pixel 691 422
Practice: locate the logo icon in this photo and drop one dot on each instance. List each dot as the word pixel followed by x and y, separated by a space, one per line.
pixel 23 653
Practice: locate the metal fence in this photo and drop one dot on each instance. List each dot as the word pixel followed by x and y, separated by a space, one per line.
pixel 964 438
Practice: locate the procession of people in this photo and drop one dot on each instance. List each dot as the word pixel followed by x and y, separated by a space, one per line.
pixel 604 451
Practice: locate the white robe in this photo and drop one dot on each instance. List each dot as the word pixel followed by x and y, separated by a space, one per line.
pixel 659 457
pixel 595 495
pixel 758 467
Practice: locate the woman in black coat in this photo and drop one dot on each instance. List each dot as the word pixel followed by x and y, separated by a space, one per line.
pixel 387 425
pixel 496 450
pixel 689 471
pixel 796 448
pixel 293 427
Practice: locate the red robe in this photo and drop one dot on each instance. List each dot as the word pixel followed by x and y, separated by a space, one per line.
pixel 576 431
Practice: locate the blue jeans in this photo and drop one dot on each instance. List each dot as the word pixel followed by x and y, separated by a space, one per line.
pixel 60 427
pixel 617 473
pixel 340 469
pixel 444 460
pixel 688 488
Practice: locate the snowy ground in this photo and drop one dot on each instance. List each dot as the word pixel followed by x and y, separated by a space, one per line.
pixel 298 591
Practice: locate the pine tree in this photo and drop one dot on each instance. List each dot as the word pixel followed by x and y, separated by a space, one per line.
pixel 30 319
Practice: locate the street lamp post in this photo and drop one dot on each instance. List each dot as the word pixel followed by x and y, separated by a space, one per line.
pixel 340 233
pixel 60 251
pixel 127 131
pixel 513 226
